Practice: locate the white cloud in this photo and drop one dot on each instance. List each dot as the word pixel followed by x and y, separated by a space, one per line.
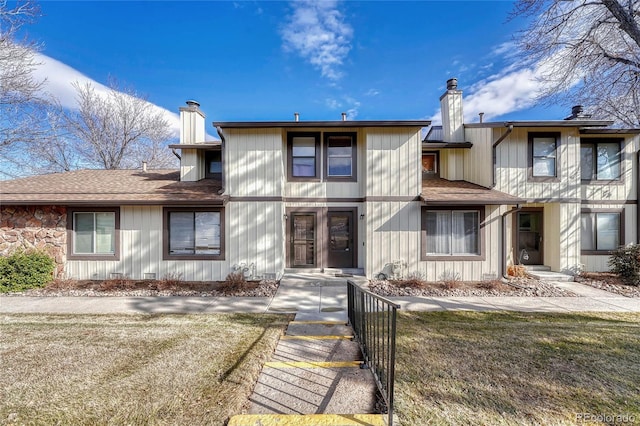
pixel 333 103
pixel 515 88
pixel 316 30
pixel 352 112
pixel 372 92
pixel 59 78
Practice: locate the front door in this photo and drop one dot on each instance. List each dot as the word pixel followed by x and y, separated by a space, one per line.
pixel 529 237
pixel 303 243
pixel 341 250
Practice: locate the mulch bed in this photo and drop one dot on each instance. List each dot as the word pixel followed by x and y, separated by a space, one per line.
pixel 608 282
pixel 126 287
pixel 526 287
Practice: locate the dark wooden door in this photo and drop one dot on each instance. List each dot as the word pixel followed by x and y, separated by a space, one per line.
pixel 341 250
pixel 530 238
pixel 303 244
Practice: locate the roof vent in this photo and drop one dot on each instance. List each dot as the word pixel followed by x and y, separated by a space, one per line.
pixel 296 116
pixel 344 116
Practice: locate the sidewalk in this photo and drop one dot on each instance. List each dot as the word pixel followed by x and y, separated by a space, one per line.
pixel 314 296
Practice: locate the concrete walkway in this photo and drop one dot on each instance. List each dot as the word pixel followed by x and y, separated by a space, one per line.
pixel 314 296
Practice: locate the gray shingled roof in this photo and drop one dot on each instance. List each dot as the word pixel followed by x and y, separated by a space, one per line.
pixel 110 187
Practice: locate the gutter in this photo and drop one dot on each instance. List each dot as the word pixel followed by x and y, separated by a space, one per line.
pixel 494 152
pixel 223 145
pixel 504 239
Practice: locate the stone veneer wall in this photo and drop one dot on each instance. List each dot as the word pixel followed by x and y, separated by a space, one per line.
pixel 39 227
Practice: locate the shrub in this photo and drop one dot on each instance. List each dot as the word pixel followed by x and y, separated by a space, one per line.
pixel 170 280
pixel 23 270
pixel 625 262
pixel 517 271
pixel 236 281
pixel 114 284
pixel 413 280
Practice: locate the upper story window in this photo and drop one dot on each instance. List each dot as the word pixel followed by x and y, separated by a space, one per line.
pixel 340 156
pixel 93 234
pixel 334 160
pixel 600 160
pixel 430 165
pixel 194 234
pixel 213 165
pixel 303 153
pixel 543 155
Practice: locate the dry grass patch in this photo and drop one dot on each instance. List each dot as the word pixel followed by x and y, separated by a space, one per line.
pixel 131 369
pixel 516 368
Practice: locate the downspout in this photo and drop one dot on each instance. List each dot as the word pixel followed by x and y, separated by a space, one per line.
pixel 222 147
pixel 638 198
pixel 494 150
pixel 504 239
pixel 176 154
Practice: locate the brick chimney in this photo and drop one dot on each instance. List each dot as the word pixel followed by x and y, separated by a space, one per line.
pixel 192 125
pixel 451 107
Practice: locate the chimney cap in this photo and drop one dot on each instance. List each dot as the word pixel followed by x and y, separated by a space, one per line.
pixel 193 103
pixel 452 84
pixel 577 110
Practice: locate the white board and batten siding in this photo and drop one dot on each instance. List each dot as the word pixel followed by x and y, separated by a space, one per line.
pixel 254 162
pixel 191 166
pixel 478 160
pixel 513 165
pixel 394 233
pixel 393 162
pixel 253 235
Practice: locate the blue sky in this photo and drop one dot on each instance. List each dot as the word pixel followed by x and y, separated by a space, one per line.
pixel 265 60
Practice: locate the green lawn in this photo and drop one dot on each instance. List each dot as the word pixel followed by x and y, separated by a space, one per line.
pixel 131 369
pixel 469 368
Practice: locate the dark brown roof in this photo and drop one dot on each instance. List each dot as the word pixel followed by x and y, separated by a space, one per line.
pixel 338 123
pixel 547 123
pixel 460 192
pixel 110 187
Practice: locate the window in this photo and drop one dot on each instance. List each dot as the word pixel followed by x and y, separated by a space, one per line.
pixel 93 234
pixel 309 161
pixel 452 233
pixel 340 156
pixel 213 161
pixel 303 153
pixel 429 164
pixel 600 160
pixel 195 234
pixel 601 231
pixel 543 155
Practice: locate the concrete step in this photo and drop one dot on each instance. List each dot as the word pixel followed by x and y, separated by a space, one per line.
pixel 550 276
pixel 537 268
pixel 318 328
pixel 285 389
pixel 317 348
pixel 308 420
pixel 343 271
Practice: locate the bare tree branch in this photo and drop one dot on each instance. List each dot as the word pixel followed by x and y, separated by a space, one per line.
pixel 118 129
pixel 590 52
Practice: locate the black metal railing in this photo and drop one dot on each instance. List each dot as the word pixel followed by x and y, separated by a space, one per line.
pixel 373 319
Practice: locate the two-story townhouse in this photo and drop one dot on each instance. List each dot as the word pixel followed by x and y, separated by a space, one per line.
pixel 344 196
pixel 576 181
